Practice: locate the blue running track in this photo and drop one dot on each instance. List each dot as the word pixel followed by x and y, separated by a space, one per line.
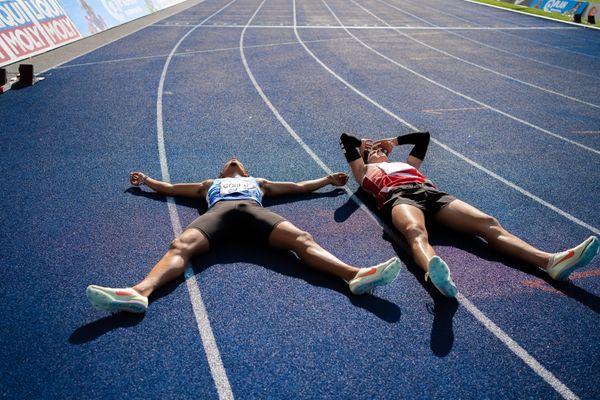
pixel 513 106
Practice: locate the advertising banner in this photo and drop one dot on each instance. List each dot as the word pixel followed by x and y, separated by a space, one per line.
pixel 93 16
pixel 567 7
pixel 29 27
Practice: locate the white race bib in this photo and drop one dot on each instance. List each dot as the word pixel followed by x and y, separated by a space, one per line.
pixel 231 186
pixel 391 168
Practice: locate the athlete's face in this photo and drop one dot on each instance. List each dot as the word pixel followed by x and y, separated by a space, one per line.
pixel 232 168
pixel 376 156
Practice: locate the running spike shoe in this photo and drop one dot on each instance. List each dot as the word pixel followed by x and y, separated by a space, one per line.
pixel 115 300
pixel 562 264
pixel 439 274
pixel 379 275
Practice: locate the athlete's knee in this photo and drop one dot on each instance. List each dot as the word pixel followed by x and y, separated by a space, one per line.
pixel 489 224
pixel 304 239
pixel 188 243
pixel 178 246
pixel 414 232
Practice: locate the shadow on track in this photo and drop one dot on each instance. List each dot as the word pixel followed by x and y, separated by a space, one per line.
pixel 282 262
pixel 443 310
pixel 95 329
pixel 287 263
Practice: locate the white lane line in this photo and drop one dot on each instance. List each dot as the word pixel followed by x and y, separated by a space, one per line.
pixel 534 364
pixel 213 356
pixel 298 139
pixel 374 27
pixel 191 53
pixel 512 78
pixel 532 15
pixel 463 95
pixel 546 131
pixel 439 11
pixel 447 110
pixel 512 345
pixel 449 149
pixel 538 43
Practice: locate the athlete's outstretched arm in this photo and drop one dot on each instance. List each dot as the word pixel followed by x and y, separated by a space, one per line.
pixel 284 188
pixel 420 140
pixel 197 190
pixel 352 148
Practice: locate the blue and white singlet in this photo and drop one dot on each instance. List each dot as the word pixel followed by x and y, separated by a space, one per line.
pixel 240 188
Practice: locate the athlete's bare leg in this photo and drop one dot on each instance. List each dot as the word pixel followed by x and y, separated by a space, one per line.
pixel 465 218
pixel 410 221
pixel 287 236
pixel 172 265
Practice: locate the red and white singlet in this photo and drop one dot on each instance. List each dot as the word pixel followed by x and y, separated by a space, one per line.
pixel 383 177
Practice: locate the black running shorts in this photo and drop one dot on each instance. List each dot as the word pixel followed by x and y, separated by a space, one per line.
pixel 421 195
pixel 237 219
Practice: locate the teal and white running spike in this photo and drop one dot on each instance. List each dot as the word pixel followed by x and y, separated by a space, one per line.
pixel 115 300
pixel 440 277
pixel 379 275
pixel 564 263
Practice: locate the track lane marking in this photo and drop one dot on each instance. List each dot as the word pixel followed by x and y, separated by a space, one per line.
pixel 450 110
pixel 490 70
pixel 497 48
pixel 456 92
pixel 446 147
pixel 207 337
pixel 486 322
pixel 513 346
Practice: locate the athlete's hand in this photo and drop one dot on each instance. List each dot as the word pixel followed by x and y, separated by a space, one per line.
pixel 384 144
pixel 365 145
pixel 136 178
pixel 338 179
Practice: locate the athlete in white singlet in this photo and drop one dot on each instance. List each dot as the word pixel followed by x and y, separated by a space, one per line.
pixel 236 212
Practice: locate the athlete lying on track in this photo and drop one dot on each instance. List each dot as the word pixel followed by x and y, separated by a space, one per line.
pixel 235 211
pixel 408 197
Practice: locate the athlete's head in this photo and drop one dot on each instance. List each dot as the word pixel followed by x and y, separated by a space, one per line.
pixel 233 168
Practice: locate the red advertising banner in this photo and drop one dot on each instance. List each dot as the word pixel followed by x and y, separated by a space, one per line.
pixel 29 27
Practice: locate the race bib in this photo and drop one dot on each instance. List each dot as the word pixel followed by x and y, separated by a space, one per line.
pixel 231 186
pixel 391 168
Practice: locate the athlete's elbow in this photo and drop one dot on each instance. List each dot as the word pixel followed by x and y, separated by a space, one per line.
pixel 168 190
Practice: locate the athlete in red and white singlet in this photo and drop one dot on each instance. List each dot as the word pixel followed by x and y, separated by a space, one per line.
pixel 408 198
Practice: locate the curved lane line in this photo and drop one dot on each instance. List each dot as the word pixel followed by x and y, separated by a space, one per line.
pixel 445 147
pixel 449 149
pixel 486 322
pixel 213 356
pixel 298 139
pixel 543 89
pixel 538 128
pixel 571 71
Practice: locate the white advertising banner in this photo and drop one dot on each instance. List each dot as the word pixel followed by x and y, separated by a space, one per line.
pixel 30 27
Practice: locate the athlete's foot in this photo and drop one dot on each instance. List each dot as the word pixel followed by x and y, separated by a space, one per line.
pixel 115 300
pixel 439 274
pixel 379 275
pixel 562 264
